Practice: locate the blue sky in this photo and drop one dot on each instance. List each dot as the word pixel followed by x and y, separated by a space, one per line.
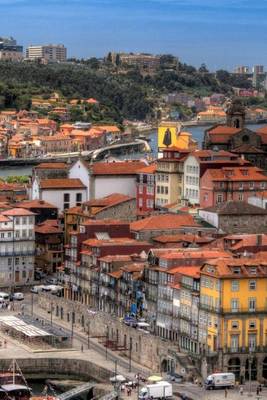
pixel 221 33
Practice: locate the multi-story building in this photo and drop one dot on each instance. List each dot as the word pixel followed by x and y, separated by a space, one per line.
pixel 17 247
pixel 233 316
pixel 241 69
pixel 169 176
pixel 258 69
pixel 49 246
pixel 230 184
pixel 145 189
pixel 10 50
pixel 196 164
pixel 50 52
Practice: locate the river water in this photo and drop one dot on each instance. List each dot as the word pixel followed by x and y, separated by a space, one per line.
pixel 197 133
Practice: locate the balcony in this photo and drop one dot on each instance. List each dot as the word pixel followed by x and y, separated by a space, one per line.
pixel 247 350
pixel 210 308
pixel 17 253
pixel 244 310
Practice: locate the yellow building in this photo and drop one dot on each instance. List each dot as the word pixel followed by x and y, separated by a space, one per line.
pixel 233 313
pixel 170 134
pixel 169 176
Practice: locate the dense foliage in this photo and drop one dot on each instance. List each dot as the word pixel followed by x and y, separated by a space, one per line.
pixel 121 93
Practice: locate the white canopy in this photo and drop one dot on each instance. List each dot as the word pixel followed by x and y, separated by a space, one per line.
pixel 22 327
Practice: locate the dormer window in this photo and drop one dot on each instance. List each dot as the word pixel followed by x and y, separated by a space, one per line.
pixel 253 270
pixel 236 270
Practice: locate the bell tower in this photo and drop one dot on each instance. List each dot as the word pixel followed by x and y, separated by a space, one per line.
pixel 235 114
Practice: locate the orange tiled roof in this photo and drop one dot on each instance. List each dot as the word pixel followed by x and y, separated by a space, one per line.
pixel 108 201
pixel 55 165
pixel 193 254
pixel 34 204
pixel 17 212
pixel 58 184
pixel 47 229
pixel 247 173
pixel 163 222
pixel 117 168
pixel 150 169
pixel 192 271
pixel 224 130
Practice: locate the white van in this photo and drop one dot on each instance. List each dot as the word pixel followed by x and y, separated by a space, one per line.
pixel 220 380
pixel 37 289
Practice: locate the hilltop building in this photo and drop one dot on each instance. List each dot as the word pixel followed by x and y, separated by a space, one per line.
pixel 48 53
pixel 10 50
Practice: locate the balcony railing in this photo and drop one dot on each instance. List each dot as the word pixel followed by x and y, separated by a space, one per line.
pixel 254 349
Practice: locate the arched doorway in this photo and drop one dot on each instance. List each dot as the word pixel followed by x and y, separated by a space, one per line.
pixel 234 366
pixel 164 366
pixel 253 369
pixel 264 368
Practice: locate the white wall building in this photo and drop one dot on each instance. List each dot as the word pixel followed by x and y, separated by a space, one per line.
pixel 50 52
pixel 17 247
pixel 259 201
pixel 103 179
pixel 191 179
pixel 62 193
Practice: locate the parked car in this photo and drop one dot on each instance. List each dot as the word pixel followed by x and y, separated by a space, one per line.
pixel 4 296
pixel 17 296
pixel 174 377
pixel 51 281
pixel 37 289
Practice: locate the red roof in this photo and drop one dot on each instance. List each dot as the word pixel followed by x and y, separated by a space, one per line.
pixel 34 204
pixel 47 229
pixel 59 184
pixel 237 174
pixel 108 201
pixel 150 169
pixel 117 168
pixel 223 129
pixel 192 271
pixel 17 212
pixel 163 222
pixel 52 166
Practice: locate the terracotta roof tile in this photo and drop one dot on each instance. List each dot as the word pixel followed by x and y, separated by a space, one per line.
pixel 52 166
pixel 34 204
pixel 117 168
pixel 17 212
pixel 246 173
pixel 223 129
pixel 59 184
pixel 236 208
pixel 165 221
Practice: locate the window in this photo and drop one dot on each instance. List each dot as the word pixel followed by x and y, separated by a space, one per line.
pixel 9 234
pixel 140 189
pixel 252 342
pixel 252 324
pixel 17 221
pixel 253 270
pixel 262 185
pixel 31 220
pixel 240 197
pixel 252 285
pixel 166 190
pixel 221 185
pixel 234 342
pixel 219 198
pixel 17 234
pixel 241 186
pixel 66 197
pixel 235 286
pixel 251 185
pixel 79 198
pixel 24 220
pixel 2 235
pixel 252 304
pixel 9 262
pixel 158 189
pixel 235 325
pixel 24 233
pixel 17 261
pixel 234 305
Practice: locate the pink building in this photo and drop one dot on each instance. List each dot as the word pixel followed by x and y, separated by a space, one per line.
pixel 230 183
pixel 145 189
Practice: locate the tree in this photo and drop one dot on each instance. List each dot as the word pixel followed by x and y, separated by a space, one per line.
pixel 203 69
pixel 118 59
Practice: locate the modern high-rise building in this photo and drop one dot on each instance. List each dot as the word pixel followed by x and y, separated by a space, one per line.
pixel 258 69
pixel 9 50
pixel 50 52
pixel 241 69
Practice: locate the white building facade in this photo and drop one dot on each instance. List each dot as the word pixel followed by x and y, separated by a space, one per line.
pixel 17 247
pixel 192 179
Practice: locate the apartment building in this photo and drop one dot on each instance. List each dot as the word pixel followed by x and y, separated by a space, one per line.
pixel 10 50
pixel 17 247
pixel 169 176
pixel 145 189
pixel 233 315
pixel 50 52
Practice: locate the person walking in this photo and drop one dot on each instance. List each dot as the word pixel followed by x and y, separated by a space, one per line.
pixel 225 393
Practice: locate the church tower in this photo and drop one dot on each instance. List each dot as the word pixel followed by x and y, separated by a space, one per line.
pixel 235 114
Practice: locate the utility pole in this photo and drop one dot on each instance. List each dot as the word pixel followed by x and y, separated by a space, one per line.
pixel 107 343
pixel 130 356
pixel 249 371
pixel 51 313
pixel 32 304
pixel 88 334
pixel 138 385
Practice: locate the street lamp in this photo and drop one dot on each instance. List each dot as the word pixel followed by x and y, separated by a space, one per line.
pixel 88 334
pixel 250 358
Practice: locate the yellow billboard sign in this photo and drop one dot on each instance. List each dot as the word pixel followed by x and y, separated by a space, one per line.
pixel 170 135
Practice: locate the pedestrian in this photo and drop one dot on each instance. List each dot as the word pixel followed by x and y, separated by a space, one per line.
pixel 257 391
pixel 260 388
pixel 225 393
pixel 241 390
pixel 82 348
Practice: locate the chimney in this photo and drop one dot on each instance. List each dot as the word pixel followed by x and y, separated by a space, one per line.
pixel 259 240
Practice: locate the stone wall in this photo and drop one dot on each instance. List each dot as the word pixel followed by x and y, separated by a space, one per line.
pixel 147 350
pixel 58 368
pixel 124 211
pixel 243 223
